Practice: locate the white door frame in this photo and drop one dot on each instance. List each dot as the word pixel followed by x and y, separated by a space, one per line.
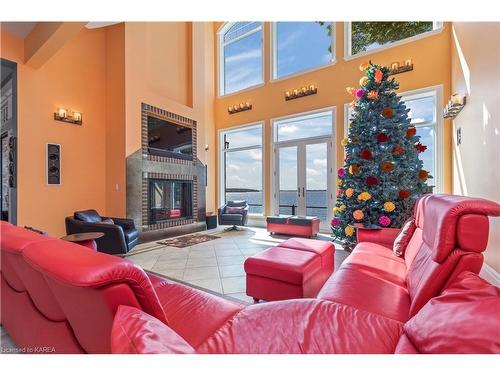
pixel 329 140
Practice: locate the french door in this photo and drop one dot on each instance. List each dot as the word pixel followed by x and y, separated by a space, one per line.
pixel 303 178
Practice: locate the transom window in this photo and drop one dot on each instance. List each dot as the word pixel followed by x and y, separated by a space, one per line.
pixel 241 166
pixel 363 37
pixel 240 56
pixel 301 46
pixel 313 125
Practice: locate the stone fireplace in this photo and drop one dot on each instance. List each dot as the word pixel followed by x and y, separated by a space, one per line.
pixel 169 199
pixel 165 195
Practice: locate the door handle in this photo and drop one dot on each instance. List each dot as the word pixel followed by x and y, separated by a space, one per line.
pixel 303 194
pixel 298 192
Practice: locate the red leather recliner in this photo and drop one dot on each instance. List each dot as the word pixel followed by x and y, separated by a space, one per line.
pixel 65 296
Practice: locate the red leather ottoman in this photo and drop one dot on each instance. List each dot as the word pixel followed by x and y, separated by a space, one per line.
pixel 280 273
pixel 324 249
pixel 306 226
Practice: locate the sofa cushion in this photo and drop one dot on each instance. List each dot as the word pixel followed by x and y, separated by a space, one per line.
pixel 324 249
pixel 89 216
pixel 232 218
pixel 403 238
pixel 378 261
pixel 463 319
pixel 192 313
pixel 234 210
pixel 367 291
pixel 304 326
pixel 288 265
pixel 135 332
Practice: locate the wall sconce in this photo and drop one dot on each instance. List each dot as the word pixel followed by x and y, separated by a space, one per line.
pixel 232 109
pixel 454 106
pixel 396 68
pixel 62 114
pixel 299 93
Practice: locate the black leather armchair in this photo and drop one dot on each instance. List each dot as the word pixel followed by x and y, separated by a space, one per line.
pixel 233 218
pixel 120 235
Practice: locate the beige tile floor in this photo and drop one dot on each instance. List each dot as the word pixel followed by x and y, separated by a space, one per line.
pixel 215 265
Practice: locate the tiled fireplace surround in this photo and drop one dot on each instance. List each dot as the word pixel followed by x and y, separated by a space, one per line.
pixel 141 167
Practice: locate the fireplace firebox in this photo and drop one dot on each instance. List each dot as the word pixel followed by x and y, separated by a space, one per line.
pixel 170 199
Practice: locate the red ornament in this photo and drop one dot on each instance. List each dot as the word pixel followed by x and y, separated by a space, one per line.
pixel 382 137
pixel 371 180
pixel 411 132
pixel 398 150
pixel 366 154
pixel 420 147
pixel 388 112
pixel 339 192
pixel 403 193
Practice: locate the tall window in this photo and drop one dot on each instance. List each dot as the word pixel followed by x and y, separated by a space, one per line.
pixel 300 46
pixel 241 166
pixel 423 115
pixel 240 56
pixel 368 36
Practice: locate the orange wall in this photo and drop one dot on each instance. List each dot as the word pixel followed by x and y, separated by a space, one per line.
pixel 157 72
pixel 168 68
pixel 431 58
pixel 73 78
pixel 475 72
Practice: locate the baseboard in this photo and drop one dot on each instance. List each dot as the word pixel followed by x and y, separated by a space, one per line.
pixel 489 274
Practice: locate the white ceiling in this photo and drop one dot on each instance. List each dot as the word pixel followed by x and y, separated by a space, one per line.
pixel 19 29
pixel 96 25
pixel 22 29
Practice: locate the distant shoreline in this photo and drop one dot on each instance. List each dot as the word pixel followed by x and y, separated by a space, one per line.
pixel 233 190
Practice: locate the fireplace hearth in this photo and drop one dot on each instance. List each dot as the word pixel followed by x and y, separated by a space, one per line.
pixel 169 199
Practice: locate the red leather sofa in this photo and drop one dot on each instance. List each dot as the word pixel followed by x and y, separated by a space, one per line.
pixel 75 300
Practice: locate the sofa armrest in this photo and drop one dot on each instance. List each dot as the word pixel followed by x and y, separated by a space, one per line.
pixel 113 241
pixel 220 212
pixel 125 223
pixel 245 214
pixel 383 236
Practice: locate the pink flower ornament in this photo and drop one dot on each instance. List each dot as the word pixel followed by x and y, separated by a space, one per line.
pixel 384 220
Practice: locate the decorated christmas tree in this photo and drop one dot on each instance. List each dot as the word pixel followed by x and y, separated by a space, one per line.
pixel 382 175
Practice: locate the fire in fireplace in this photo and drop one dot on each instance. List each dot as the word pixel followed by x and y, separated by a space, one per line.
pixel 170 199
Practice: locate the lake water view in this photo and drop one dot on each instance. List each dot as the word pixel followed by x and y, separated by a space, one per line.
pixel 316 200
